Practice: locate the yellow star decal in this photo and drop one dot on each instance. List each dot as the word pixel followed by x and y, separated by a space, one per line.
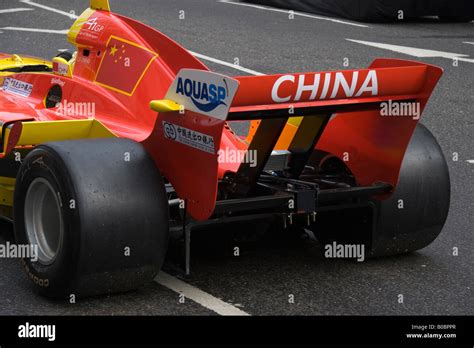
pixel 113 49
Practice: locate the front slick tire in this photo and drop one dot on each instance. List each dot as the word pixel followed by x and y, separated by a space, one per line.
pixel 97 210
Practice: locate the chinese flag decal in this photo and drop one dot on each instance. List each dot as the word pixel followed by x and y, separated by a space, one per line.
pixel 123 65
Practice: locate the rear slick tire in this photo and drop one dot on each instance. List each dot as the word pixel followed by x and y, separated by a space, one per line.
pixel 412 217
pixel 98 212
pixel 415 213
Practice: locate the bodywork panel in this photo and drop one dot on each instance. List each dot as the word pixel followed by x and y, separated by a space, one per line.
pixel 122 65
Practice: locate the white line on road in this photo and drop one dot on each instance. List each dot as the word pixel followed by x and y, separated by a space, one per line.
pixel 221 62
pixel 19 9
pixel 52 9
pixel 36 30
pixel 296 13
pixel 469 43
pixel 470 161
pixel 199 296
pixel 416 52
pixel 203 298
pixel 198 55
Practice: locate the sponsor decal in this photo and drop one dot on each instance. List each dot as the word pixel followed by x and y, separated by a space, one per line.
pixel 82 59
pixel 60 68
pixel 204 92
pixel 87 28
pixel 319 87
pixel 18 87
pixel 93 25
pixel 205 97
pixel 189 137
pixel 56 81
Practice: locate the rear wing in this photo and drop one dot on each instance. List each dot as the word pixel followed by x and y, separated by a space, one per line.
pixel 310 92
pixel 341 113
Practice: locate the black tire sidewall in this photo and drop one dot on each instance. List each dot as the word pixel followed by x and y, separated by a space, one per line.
pixel 54 278
pixel 116 234
pixel 424 187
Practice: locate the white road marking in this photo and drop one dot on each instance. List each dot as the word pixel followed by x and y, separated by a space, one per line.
pixel 36 30
pixel 221 62
pixel 203 298
pixel 416 52
pixel 198 55
pixel 469 43
pixel 296 13
pixel 199 296
pixel 19 9
pixel 52 9
pixel 470 161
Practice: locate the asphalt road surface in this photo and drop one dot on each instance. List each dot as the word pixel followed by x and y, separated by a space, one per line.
pixel 266 275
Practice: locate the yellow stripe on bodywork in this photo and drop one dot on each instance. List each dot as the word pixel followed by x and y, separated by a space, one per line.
pixel 77 26
pixel 40 132
pixel 7 188
pixel 34 133
pixel 17 61
pixel 84 17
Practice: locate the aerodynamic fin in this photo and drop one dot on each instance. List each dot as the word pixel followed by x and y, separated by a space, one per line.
pixel 188 129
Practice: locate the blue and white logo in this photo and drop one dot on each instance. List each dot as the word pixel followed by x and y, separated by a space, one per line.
pixel 204 92
pixel 206 97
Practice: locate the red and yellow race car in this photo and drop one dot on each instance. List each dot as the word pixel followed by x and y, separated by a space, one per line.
pixel 107 150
